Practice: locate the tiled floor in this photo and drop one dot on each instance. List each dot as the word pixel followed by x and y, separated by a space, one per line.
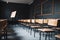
pixel 20 32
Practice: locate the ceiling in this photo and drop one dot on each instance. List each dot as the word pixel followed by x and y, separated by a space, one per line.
pixel 20 1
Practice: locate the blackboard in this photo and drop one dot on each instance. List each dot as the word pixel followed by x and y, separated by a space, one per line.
pixel 47 7
pixel 57 6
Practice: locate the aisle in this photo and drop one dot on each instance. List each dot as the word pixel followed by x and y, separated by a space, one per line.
pixel 21 32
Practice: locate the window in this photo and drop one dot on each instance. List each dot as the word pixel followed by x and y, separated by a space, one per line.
pixel 13 14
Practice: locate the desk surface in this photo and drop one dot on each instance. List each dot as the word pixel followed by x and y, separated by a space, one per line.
pixel 46 30
pixel 3 19
pixel 57 36
pixel 3 23
pixel 35 26
pixel 57 28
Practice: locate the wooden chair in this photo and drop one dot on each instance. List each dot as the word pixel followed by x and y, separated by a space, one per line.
pixel 3 25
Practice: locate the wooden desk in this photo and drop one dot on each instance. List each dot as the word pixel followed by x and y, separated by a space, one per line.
pixel 3 23
pixel 46 30
pixel 57 36
pixel 57 28
pixel 35 26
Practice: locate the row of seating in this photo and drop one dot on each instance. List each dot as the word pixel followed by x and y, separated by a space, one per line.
pixel 3 31
pixel 52 22
pixel 43 25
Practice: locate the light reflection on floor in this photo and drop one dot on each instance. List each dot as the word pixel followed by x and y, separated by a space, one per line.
pixel 24 33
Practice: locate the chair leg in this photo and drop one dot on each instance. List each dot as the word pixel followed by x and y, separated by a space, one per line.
pixel 40 35
pixel 5 34
pixel 45 36
pixel 0 38
pixel 56 38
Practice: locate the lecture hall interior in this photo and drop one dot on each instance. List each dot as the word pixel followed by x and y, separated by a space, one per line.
pixel 29 19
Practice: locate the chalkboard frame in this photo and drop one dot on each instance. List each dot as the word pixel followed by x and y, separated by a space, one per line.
pixel 47 7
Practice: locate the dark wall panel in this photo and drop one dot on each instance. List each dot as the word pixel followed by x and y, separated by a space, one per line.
pixel 36 8
pixel 7 8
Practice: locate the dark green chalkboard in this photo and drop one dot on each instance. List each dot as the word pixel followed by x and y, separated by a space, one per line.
pixel 47 7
